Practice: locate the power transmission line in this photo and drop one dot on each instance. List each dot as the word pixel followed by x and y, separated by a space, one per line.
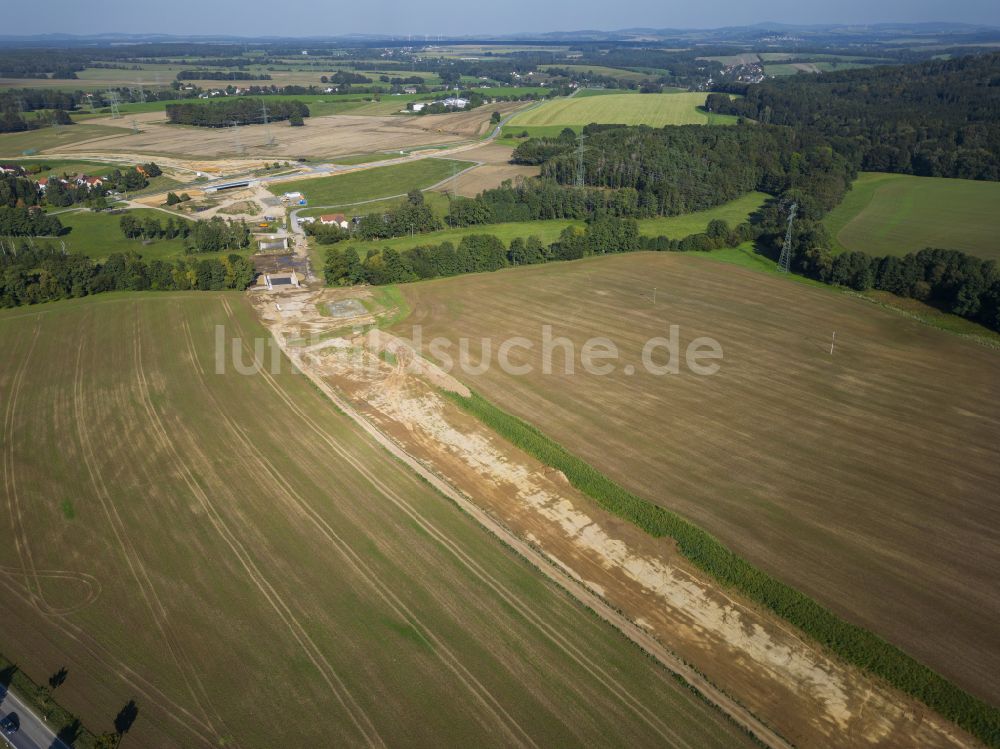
pixel 267 128
pixel 113 99
pixel 240 148
pixel 785 260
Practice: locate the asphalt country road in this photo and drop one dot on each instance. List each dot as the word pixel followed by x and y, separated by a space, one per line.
pixel 34 733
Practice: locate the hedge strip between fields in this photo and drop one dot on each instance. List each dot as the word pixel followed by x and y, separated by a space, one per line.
pixel 854 644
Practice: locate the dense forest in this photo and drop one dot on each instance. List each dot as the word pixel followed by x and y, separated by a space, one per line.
pixel 27 222
pixel 676 170
pixel 238 111
pixel 939 118
pixel 32 273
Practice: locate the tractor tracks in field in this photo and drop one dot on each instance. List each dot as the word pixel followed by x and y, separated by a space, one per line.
pixel 29 574
pixel 24 583
pixel 27 569
pixel 736 712
pixel 516 735
pixel 649 717
pixel 198 728
pixel 133 559
pixel 336 685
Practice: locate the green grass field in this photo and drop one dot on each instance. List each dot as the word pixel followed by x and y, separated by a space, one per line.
pixel 893 214
pixel 363 158
pixel 19 144
pixel 511 135
pixel 98 235
pixel 674 227
pixel 655 110
pixel 59 166
pixel 378 182
pixel 246 564
pixel 436 200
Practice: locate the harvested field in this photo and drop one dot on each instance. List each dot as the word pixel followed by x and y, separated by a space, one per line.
pixel 473 123
pixel 806 697
pixel 322 137
pixel 868 479
pixel 495 169
pixel 237 548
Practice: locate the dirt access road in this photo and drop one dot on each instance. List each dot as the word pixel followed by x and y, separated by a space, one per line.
pixel 787 689
pixel 558 575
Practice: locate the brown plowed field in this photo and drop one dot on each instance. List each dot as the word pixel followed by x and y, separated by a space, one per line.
pixel 868 478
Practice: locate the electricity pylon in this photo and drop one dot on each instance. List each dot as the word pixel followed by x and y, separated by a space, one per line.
pixel 785 260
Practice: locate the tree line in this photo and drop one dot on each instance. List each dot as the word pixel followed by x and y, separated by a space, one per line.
pixel 214 235
pixel 238 111
pixel 476 253
pixel 677 170
pixel 641 171
pixel 538 200
pixel 951 280
pixel 939 118
pixel 35 273
pixel 28 222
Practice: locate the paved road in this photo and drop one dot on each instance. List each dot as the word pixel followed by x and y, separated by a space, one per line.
pixel 34 733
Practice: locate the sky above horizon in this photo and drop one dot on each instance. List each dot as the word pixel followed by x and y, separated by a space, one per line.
pixel 393 17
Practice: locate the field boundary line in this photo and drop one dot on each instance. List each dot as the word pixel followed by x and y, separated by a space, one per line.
pixel 295 501
pixel 739 714
pixel 711 559
pixel 523 609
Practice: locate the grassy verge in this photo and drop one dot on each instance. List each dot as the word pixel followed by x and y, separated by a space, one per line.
pixel 854 644
pixel 65 725
pixel 388 305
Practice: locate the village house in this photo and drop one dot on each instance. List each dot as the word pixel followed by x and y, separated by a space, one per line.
pixel 43 182
pixel 335 219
